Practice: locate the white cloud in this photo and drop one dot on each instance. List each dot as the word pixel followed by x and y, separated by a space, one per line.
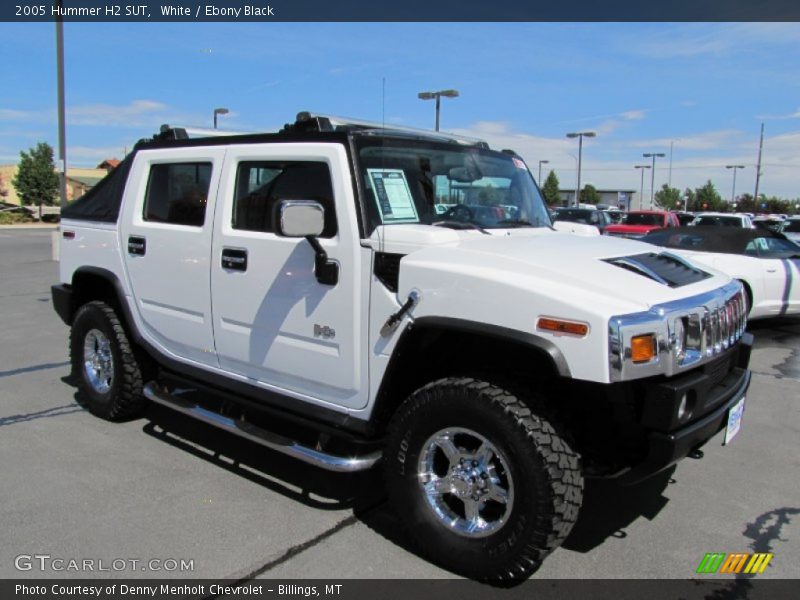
pixel 794 115
pixel 710 152
pixel 634 115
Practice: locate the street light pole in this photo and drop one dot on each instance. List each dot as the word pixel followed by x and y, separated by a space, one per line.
pixel 438 97
pixel 641 189
pixel 653 174
pixel 541 162
pixel 219 111
pixel 62 127
pixel 733 191
pixel 580 135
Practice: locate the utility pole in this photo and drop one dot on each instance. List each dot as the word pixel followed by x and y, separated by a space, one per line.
pixel 62 128
pixel 758 166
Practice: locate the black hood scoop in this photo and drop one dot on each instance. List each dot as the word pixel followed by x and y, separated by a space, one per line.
pixel 665 268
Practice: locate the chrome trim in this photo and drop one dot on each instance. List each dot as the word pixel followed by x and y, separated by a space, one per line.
pixel 329 462
pixel 714 323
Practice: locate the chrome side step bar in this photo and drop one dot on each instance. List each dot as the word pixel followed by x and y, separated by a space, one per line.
pixel 329 462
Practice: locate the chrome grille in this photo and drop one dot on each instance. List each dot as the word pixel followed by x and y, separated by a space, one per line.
pixel 723 325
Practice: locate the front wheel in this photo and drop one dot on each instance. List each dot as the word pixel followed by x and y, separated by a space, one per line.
pixel 486 487
pixel 108 371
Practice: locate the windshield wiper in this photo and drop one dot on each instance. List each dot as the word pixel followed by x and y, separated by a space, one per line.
pixel 516 223
pixel 460 225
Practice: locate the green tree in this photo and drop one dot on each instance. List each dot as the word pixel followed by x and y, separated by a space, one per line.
pixel 550 189
pixel 689 200
pixel 668 198
pixel 589 194
pixel 707 198
pixel 36 180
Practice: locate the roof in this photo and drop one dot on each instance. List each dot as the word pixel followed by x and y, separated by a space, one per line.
pixel 727 240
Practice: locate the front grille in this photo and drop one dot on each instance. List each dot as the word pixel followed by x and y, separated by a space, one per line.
pixel 725 324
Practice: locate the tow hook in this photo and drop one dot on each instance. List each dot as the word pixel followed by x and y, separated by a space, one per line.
pixel 696 454
pixel 394 320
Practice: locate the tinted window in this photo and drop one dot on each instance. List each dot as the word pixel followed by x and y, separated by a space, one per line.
pixel 772 248
pixel 177 193
pixel 261 185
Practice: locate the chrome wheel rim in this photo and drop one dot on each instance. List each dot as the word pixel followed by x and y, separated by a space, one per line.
pixel 466 482
pixel 98 361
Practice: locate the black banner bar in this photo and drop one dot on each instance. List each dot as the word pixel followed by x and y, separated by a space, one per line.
pixel 710 588
pixel 399 10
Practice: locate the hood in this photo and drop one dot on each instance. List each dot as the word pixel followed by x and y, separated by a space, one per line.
pixel 580 269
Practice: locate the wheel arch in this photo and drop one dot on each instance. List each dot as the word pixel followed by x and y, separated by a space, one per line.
pixel 433 347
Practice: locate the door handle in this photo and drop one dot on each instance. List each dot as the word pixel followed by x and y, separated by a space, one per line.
pixel 137 245
pixel 234 259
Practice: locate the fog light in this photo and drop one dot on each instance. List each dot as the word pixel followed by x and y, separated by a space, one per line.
pixel 682 407
pixel 686 405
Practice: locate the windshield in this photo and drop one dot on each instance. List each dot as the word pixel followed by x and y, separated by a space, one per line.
pixel 577 215
pixel 446 184
pixel 718 221
pixel 635 218
pixel 792 226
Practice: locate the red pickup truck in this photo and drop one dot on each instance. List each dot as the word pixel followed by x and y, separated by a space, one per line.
pixel 639 223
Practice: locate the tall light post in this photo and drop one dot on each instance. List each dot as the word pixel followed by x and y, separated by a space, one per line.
pixel 541 162
pixel 219 111
pixel 733 191
pixel 669 179
pixel 438 97
pixel 641 189
pixel 62 119
pixel 580 135
pixel 653 155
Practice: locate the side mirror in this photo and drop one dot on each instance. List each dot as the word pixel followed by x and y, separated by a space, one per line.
pixel 306 218
pixel 299 218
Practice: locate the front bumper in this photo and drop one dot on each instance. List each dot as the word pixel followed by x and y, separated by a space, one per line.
pixel 714 396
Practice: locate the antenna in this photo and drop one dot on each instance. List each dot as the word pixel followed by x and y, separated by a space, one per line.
pixel 383 103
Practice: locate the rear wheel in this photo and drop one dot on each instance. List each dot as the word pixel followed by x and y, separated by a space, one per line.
pixel 487 487
pixel 103 361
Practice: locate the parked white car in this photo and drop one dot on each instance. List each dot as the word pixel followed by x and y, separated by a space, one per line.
pixel 718 219
pixel 766 263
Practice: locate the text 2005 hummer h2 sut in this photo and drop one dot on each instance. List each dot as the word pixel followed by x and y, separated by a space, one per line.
pixel 349 294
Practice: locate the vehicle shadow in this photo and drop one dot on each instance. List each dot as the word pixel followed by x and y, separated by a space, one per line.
pixel 294 479
pixel 608 509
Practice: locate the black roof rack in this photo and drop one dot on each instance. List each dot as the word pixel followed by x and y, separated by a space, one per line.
pixel 308 123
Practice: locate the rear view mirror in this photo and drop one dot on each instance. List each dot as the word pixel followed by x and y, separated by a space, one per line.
pixel 306 218
pixel 300 218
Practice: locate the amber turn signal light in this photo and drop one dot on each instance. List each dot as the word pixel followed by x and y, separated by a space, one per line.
pixel 643 348
pixel 561 326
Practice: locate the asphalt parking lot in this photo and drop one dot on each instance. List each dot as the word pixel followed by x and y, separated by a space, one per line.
pixel 163 487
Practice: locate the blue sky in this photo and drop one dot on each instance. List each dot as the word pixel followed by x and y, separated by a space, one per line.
pixel 705 87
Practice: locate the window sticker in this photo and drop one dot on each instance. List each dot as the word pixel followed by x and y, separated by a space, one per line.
pixel 393 196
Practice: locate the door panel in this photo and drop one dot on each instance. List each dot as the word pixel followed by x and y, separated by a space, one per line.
pixel 166 243
pixel 273 321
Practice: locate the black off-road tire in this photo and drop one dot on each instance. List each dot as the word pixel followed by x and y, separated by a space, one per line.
pixel 548 482
pixel 123 400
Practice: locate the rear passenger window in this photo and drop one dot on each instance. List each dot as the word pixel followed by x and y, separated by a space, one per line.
pixel 261 185
pixel 177 193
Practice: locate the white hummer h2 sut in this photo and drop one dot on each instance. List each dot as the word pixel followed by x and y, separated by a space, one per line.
pixel 348 294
